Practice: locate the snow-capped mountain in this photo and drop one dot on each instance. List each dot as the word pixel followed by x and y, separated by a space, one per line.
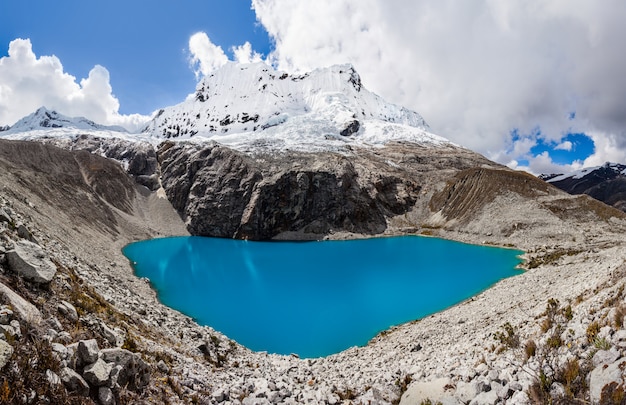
pixel 247 106
pixel 47 119
pixel 606 183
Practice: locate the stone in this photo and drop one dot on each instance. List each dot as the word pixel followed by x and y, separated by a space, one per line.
pixel 5 316
pixel 74 382
pixel 8 330
pixel 485 398
pixel 163 367
pixel 557 390
pixel 133 371
pixel 604 375
pixel 97 373
pixel 6 351
pixel 68 310
pixel 466 391
pixel 60 349
pixel 53 378
pixel 109 334
pixel 105 396
pixel 420 391
pixel 87 351
pixel 519 398
pixel 5 217
pixel 24 309
pixel 24 233
pixel 31 262
pixel 17 327
pixel 604 357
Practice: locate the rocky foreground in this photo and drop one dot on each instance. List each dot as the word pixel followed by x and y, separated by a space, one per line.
pixel 79 327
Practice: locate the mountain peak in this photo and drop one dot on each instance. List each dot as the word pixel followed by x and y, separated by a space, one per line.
pixel 252 105
pixel 44 118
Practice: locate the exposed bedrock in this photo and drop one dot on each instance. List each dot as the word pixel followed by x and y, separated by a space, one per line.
pixel 225 193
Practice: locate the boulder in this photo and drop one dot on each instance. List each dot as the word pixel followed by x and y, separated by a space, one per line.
pixel 29 260
pixel 74 382
pixel 6 351
pixel 485 398
pixel 97 373
pixel 132 370
pixel 105 396
pixel 5 217
pixel 68 310
pixel 87 351
pixel 24 309
pixel 604 376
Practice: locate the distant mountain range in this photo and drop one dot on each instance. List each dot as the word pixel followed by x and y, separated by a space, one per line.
pixel 606 183
pixel 44 119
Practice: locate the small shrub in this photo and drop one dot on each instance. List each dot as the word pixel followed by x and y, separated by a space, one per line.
pixel 592 331
pixel 530 349
pixel 508 337
pixel 567 313
pixel 554 341
pixel 571 372
pixel 601 344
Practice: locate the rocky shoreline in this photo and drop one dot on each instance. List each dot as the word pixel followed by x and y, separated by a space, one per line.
pixel 570 304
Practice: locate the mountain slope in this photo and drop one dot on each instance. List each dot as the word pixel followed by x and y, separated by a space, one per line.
pixel 606 183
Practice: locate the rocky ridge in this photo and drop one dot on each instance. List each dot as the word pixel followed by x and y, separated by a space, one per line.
pixel 605 183
pixel 466 354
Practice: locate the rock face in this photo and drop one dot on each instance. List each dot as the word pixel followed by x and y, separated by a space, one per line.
pixel 138 158
pixel 30 261
pixel 226 193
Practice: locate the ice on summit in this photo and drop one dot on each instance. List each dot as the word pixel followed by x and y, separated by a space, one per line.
pixel 253 105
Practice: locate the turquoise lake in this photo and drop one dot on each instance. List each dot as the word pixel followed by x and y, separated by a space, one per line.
pixel 315 298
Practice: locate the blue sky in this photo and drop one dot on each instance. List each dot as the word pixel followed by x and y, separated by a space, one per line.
pixel 142 43
pixel 536 85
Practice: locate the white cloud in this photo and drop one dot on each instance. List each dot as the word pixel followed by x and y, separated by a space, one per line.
pixel 245 54
pixel 475 70
pixel 205 56
pixel 607 149
pixel 28 82
pixel 567 145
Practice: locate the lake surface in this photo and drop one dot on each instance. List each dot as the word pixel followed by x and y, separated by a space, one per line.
pixel 315 298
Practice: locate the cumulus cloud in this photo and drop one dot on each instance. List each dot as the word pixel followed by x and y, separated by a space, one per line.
pixel 245 54
pixel 567 145
pixel 28 82
pixel 475 70
pixel 205 55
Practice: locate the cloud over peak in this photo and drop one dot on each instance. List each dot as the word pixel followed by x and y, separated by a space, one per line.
pixel 28 82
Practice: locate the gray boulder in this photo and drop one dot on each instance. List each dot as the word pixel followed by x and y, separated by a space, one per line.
pixel 87 351
pixel 603 376
pixel 68 310
pixel 6 351
pixel 29 260
pixel 24 309
pixel 74 382
pixel 97 373
pixel 105 396
pixel 132 370
pixel 5 217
